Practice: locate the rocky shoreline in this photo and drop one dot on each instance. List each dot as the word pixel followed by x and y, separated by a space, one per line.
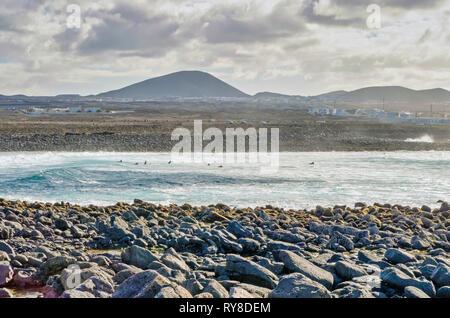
pixel 289 142
pixel 145 250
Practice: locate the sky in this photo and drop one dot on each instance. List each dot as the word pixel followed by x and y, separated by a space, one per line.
pixel 297 47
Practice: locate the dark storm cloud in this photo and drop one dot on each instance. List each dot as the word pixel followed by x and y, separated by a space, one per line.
pixel 126 29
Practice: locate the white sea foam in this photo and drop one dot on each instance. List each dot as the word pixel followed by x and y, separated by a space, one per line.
pixel 424 138
pixel 412 178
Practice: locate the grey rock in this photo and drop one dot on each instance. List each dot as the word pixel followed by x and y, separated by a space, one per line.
pixel 250 272
pixel 129 216
pixel 5 247
pixel 6 273
pixel 352 289
pixel 4 256
pixel 405 269
pixel 55 265
pixel 279 245
pixel 367 257
pixel 441 275
pixel 173 292
pixel 396 256
pixel 193 286
pixel 297 285
pixel 96 286
pixel 398 279
pixel 152 289
pixel 62 224
pixel 296 263
pixel 444 292
pixel 238 230
pixel 427 270
pixel 420 244
pixel 249 245
pixel 216 289
pixel 349 271
pixel 275 267
pixel 237 292
pixel 204 295
pixel 76 294
pixel 414 292
pixel 138 256
pixel 132 286
pixel 173 260
pixel 5 293
pixel 257 291
pixel 124 274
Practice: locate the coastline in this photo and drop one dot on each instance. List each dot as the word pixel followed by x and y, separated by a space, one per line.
pixel 149 129
pixel 366 251
pixel 106 142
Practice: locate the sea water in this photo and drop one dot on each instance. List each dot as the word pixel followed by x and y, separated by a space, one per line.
pixel 335 178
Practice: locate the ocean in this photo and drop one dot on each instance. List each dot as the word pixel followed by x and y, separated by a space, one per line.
pixel 336 178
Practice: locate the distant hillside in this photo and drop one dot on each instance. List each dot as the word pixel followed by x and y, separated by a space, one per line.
pixel 186 84
pixel 272 95
pixel 331 95
pixel 396 94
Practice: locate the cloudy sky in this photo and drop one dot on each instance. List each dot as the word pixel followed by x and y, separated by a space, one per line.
pixel 302 47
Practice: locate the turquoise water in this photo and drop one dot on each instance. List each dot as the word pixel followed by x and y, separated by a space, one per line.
pixel 412 178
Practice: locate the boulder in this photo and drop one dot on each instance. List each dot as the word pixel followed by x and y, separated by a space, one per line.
pixel 5 247
pixel 348 271
pixel 5 293
pixel 96 286
pixel 138 256
pixel 55 265
pixel 4 256
pixel 249 272
pixel 238 230
pixel 352 289
pixel 132 286
pixel 396 256
pixel 173 292
pixel 297 285
pixel 441 275
pixel 152 289
pixel 121 276
pixel 216 289
pixel 296 263
pixel 76 294
pixel 420 244
pixel 174 261
pixel 444 292
pixel 237 292
pixel 367 257
pixel 6 273
pixel 414 292
pixel 398 279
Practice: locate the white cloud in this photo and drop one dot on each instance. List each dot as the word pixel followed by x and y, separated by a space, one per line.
pixel 289 46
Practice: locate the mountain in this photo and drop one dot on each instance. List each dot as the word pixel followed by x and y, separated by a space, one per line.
pixel 269 95
pixel 332 95
pixel 396 94
pixel 181 84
